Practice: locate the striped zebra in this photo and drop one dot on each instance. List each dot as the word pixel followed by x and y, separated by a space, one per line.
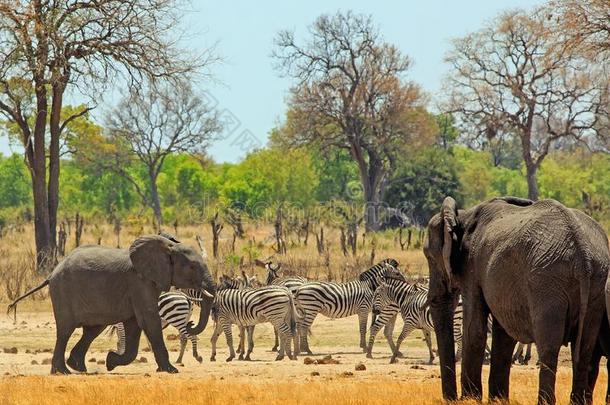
pixel 293 283
pixel 249 307
pixel 412 302
pixel 384 315
pixel 340 300
pixel 175 309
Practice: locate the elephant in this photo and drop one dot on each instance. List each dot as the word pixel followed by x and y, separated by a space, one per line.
pixel 95 286
pixel 538 268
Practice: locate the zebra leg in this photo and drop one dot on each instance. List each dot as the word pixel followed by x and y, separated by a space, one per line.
pixel 518 356
pixel 363 317
pixel 214 339
pixel 502 346
pixel 182 348
pixel 241 345
pixel 194 344
pixel 76 361
pixel 372 333
pixel 304 327
pixel 250 331
pixel 276 343
pixel 226 326
pixel 428 340
pixel 406 329
pixel 284 333
pixel 388 332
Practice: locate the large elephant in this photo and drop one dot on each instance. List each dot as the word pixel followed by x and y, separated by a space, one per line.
pixel 96 286
pixel 538 268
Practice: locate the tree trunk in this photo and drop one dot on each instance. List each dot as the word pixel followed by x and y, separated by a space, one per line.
pixel 532 182
pixel 54 129
pixel 154 195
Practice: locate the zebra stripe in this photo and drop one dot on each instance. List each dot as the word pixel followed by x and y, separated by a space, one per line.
pixel 411 300
pixel 340 300
pixel 250 307
pixel 293 283
pixel 175 309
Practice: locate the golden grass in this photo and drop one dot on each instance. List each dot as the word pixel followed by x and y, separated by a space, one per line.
pixel 339 389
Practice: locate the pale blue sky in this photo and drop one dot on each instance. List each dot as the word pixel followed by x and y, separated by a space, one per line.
pixel 251 89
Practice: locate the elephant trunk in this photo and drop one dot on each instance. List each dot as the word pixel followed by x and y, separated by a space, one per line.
pixel 204 315
pixel 442 316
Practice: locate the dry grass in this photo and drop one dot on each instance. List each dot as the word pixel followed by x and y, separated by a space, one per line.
pixel 338 389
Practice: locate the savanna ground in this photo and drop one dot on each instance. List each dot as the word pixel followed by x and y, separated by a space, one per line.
pixel 24 376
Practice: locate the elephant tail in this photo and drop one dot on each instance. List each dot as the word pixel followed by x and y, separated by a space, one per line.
pixel 13 305
pixel 585 288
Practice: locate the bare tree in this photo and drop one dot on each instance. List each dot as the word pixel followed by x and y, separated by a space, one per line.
pixel 153 123
pixel 351 94
pixel 515 76
pixel 47 47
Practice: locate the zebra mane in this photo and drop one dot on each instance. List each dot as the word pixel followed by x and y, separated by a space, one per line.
pixel 375 273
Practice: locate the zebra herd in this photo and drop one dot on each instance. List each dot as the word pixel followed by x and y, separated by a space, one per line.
pixel 292 303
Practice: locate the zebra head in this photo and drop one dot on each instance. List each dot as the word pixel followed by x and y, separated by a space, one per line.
pixel 374 275
pixel 272 270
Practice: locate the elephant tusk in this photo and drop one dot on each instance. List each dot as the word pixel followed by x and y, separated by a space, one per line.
pixel 207 293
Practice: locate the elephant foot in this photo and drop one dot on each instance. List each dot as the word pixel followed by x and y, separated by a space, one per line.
pixel 279 357
pixel 168 369
pixel 60 370
pixel 230 358
pixel 76 365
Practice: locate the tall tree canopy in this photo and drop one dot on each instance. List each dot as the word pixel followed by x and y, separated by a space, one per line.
pixel 351 94
pixel 49 46
pixel 518 77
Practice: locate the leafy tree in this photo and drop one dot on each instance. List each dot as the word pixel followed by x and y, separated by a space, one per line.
pixel 15 190
pixel 351 95
pixel 422 182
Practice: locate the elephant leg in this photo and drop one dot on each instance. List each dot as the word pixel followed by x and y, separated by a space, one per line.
pixel 582 363
pixel 593 372
pixel 250 332
pixel 182 349
pixel 214 340
pixel 132 342
pixel 548 333
pixel 150 322
pixel 76 361
pixel 502 346
pixel 276 341
pixel 363 316
pixel 58 363
pixel 406 329
pixel 428 340
pixel 474 340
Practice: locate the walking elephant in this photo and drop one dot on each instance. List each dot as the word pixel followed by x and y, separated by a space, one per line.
pixel 95 286
pixel 538 268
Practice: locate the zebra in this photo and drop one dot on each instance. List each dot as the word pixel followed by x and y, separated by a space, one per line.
pixel 340 300
pixel 175 309
pixel 249 307
pixel 412 302
pixel 518 356
pixel 292 283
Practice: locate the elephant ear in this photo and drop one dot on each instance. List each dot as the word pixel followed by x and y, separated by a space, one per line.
pixel 151 259
pixel 449 215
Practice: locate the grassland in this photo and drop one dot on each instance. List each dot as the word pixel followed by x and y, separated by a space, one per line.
pixel 24 376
